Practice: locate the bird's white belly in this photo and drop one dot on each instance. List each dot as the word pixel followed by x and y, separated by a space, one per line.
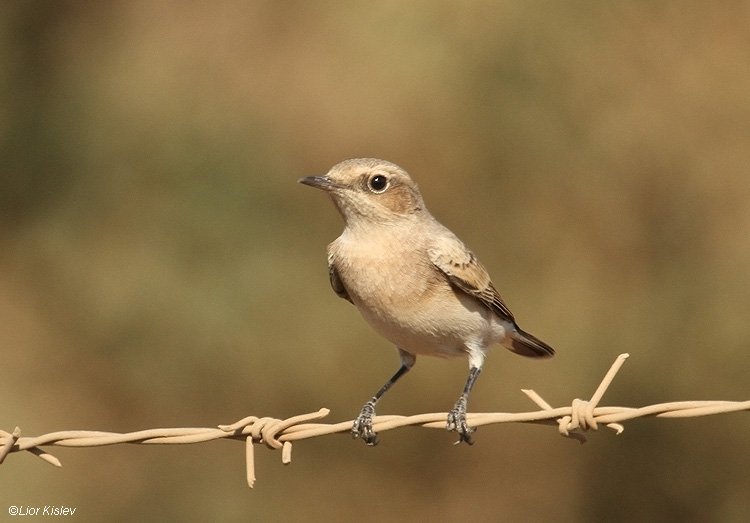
pixel 423 334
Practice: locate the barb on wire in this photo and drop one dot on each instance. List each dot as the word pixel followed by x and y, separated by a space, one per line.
pixel 572 421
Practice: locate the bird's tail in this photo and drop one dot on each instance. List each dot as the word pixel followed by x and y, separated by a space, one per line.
pixel 527 345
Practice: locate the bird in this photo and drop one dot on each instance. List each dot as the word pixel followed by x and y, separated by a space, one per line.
pixel 413 281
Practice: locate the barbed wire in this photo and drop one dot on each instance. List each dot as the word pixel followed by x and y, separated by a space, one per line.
pixel 572 421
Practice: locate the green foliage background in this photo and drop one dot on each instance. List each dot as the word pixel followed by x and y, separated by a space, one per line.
pixel 159 265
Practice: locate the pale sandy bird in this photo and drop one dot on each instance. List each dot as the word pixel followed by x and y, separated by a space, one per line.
pixel 413 280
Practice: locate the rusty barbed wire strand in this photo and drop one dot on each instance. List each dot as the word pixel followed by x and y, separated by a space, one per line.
pixel 572 421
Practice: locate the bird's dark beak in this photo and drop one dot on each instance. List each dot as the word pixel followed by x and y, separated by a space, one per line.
pixel 319 182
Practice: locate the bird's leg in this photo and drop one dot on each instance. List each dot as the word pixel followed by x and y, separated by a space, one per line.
pixel 362 426
pixel 457 416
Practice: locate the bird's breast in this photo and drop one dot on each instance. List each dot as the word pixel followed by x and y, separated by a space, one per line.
pixel 406 299
pixel 386 276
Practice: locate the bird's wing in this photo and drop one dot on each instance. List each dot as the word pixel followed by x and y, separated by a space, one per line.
pixel 336 284
pixel 465 273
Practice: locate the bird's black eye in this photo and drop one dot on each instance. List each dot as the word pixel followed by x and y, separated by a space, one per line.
pixel 378 183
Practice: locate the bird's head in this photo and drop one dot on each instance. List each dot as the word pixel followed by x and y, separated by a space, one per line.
pixel 369 189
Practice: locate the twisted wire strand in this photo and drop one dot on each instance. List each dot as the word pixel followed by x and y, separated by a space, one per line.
pixel 572 421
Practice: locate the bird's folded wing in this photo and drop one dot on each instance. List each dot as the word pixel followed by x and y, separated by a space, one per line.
pixel 465 272
pixel 336 283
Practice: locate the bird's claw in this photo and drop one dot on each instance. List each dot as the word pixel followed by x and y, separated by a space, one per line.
pixel 457 423
pixel 362 426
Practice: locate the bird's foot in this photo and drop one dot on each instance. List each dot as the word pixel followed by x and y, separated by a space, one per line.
pixel 362 426
pixel 457 422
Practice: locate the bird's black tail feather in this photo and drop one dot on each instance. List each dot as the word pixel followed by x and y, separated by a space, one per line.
pixel 527 345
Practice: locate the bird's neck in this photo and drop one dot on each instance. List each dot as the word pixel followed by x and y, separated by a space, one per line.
pixel 363 227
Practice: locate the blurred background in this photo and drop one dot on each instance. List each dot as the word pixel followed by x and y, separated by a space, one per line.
pixel 161 267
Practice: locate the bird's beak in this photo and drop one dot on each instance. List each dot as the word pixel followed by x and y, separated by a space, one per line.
pixel 319 182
